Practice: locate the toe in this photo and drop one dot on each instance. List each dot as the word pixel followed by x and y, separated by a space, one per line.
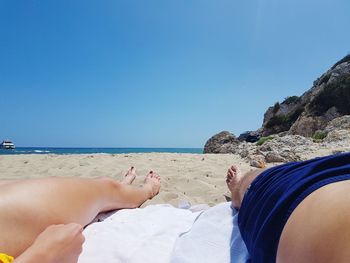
pixel 131 170
pixel 234 167
pixel 231 172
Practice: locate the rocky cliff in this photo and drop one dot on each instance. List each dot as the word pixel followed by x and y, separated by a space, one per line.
pixel 329 98
pixel 299 126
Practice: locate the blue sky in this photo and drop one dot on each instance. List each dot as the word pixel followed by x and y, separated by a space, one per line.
pixel 157 73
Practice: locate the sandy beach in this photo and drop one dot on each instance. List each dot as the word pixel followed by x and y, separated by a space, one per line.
pixel 194 178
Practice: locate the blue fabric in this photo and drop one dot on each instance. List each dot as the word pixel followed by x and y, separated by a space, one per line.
pixel 275 194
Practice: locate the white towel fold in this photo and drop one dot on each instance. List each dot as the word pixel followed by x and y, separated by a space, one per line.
pixel 213 238
pixel 136 235
pixel 163 234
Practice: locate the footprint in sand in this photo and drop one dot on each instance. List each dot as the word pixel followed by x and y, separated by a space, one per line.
pixel 83 163
pixel 170 196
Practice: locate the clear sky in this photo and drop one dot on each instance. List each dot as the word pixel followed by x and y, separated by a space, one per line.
pixel 157 73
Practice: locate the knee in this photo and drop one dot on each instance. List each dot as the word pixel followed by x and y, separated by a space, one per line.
pixel 103 178
pixel 106 180
pixel 109 183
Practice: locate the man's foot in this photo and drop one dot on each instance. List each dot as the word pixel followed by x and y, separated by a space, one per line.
pixel 130 176
pixel 233 181
pixel 152 183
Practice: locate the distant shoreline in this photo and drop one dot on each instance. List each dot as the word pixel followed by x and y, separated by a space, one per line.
pixel 81 150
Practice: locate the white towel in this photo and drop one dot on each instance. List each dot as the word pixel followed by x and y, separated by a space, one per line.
pixel 143 235
pixel 163 234
pixel 213 238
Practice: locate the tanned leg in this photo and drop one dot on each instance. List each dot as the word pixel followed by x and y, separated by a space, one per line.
pixel 3 182
pixel 238 183
pixel 29 206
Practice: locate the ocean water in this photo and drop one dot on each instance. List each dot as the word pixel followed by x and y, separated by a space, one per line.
pixel 50 150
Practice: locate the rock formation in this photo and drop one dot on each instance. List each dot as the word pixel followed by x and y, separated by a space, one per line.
pixel 288 148
pixel 316 123
pixel 223 142
pixel 250 136
pixel 328 99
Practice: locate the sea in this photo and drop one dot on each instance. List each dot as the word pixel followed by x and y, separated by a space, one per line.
pixel 51 150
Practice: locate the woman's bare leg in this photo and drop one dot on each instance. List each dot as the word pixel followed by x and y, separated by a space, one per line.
pixel 29 206
pixel 3 182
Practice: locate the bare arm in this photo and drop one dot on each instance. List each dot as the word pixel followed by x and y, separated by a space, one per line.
pixel 58 243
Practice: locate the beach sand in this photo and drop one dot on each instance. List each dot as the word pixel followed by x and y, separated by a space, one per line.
pixel 193 178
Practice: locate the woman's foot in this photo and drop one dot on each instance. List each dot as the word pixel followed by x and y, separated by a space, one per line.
pixel 233 181
pixel 129 176
pixel 152 183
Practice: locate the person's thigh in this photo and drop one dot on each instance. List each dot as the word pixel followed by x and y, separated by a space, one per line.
pixel 319 228
pixel 8 181
pixel 29 206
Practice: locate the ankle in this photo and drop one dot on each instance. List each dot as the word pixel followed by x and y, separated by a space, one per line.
pixel 148 190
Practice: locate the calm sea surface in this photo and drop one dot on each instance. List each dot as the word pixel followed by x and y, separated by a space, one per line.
pixel 42 150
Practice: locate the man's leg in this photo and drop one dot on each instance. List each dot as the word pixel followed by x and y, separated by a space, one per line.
pixel 238 183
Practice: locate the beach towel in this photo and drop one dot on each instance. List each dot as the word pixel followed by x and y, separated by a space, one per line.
pixel 213 238
pixel 164 234
pixel 136 235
